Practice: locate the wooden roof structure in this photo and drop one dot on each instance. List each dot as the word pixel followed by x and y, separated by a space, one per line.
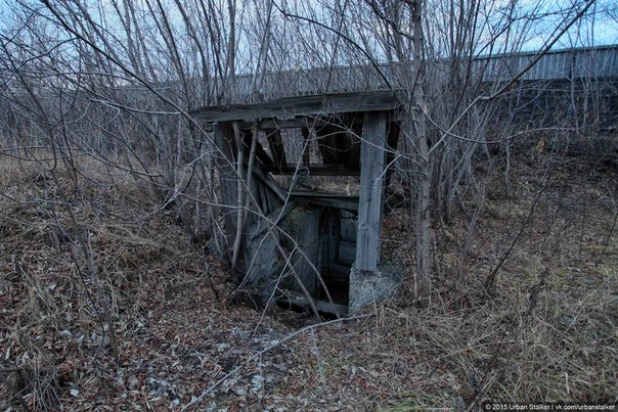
pixel 354 132
pixel 293 112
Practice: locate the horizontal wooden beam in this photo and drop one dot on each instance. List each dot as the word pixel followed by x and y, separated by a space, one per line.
pixel 318 170
pixel 336 200
pixel 274 123
pixel 334 203
pixel 325 195
pixel 290 108
pixel 320 305
pixel 294 123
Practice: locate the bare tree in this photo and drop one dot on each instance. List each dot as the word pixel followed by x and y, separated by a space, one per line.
pixel 136 70
pixel 440 56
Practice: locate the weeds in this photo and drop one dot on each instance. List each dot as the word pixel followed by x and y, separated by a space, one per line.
pixel 94 264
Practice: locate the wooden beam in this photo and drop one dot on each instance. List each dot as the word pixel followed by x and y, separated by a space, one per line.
pixel 289 108
pixel 335 200
pixel 371 193
pixel 296 122
pixel 275 142
pixel 270 182
pixel 348 204
pixel 260 153
pixel 225 159
pixel 320 305
pixel 320 169
pixel 317 193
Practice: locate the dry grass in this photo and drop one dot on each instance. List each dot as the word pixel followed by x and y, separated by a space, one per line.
pixel 70 248
pixel 79 257
pixel 548 332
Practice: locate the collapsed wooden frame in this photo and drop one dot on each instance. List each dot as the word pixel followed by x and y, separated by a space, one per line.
pixel 358 134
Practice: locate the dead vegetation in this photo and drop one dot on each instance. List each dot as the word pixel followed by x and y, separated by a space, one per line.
pixel 106 304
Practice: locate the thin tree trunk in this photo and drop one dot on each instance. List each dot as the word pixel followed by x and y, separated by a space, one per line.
pixel 423 215
pixel 240 186
pixel 423 222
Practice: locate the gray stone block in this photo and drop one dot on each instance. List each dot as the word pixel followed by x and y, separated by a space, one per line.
pixel 368 287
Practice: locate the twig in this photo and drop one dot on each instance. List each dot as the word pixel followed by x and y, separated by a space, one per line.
pixel 239 213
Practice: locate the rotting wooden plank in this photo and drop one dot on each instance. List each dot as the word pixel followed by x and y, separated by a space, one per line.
pixel 261 155
pixel 288 108
pixel 326 195
pixel 261 197
pixel 320 305
pixel 296 122
pixel 321 169
pixel 273 200
pixel 371 193
pixel 306 229
pixel 275 142
pixel 224 141
pixel 348 204
pixel 270 183
pixel 269 200
pixel 263 193
pixel 336 200
pixel 245 191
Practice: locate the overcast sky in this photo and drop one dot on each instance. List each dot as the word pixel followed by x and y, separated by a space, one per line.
pixel 599 27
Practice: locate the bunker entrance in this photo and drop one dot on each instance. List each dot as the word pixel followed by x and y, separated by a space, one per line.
pixel 326 235
pixel 337 253
pixel 291 228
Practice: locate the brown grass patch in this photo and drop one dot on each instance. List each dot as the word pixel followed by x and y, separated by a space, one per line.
pixel 70 247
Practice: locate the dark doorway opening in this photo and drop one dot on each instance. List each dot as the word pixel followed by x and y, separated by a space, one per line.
pixel 337 252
